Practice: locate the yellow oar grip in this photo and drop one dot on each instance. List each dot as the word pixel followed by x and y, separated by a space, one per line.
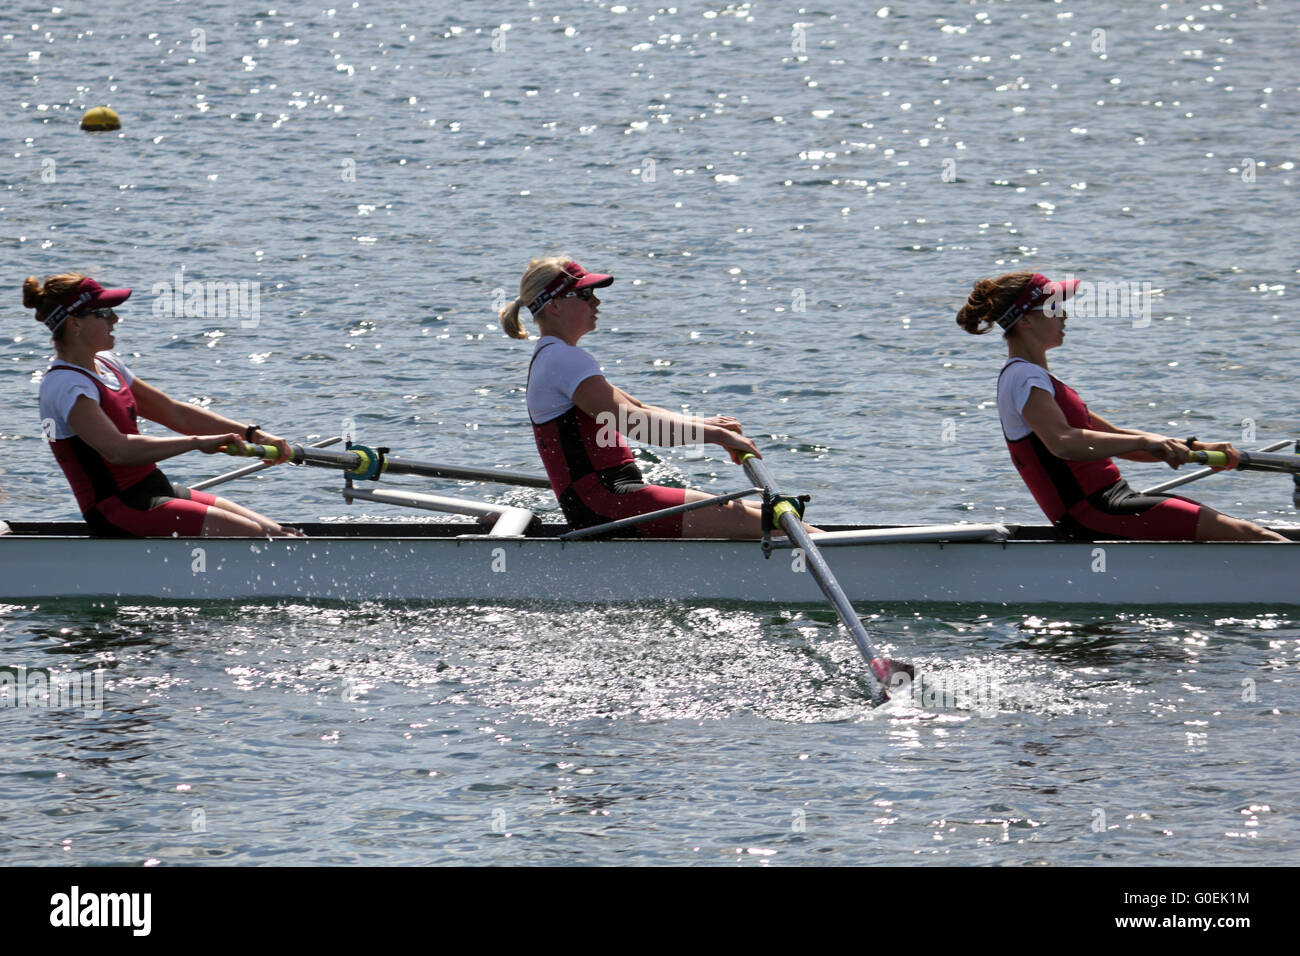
pixel 1215 459
pixel 269 452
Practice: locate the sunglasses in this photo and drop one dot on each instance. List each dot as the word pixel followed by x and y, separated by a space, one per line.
pixel 101 313
pixel 585 294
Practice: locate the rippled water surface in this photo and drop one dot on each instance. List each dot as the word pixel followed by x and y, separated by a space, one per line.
pixel 477 734
pixel 795 201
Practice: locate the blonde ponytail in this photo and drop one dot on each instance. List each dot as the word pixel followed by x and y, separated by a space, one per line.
pixel 535 279
pixel 510 322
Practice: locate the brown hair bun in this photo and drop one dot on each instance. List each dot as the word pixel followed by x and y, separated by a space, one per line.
pixel 990 299
pixel 44 298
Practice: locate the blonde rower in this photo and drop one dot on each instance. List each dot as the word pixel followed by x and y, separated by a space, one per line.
pixel 578 418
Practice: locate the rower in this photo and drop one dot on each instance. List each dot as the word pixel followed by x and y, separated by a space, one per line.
pixel 1062 450
pixel 90 401
pixel 579 419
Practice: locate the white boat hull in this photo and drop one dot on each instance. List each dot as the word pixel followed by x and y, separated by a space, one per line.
pixel 423 562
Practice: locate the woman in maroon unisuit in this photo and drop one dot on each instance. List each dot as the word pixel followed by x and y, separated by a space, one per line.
pixel 590 466
pixel 89 405
pixel 1062 450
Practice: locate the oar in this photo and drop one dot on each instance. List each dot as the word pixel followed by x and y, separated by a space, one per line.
pixel 361 462
pixel 256 467
pixel 621 523
pixel 1181 480
pixel 1250 461
pixel 786 514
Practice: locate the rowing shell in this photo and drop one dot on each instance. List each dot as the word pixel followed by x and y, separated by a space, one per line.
pixel 443 561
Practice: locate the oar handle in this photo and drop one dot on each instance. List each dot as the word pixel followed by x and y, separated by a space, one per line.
pixel 1215 459
pixel 267 452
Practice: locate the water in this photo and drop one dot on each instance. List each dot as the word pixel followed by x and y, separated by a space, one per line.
pixel 385 734
pixel 794 203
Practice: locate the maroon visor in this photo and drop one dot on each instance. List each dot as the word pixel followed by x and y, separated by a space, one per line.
pixel 573 278
pixel 88 295
pixel 1038 291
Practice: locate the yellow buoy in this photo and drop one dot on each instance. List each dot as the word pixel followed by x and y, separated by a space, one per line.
pixel 100 118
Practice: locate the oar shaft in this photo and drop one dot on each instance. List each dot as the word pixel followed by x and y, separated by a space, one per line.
pixel 405 466
pixel 359 460
pixel 1178 482
pixel 792 525
pixel 1250 461
pixel 621 523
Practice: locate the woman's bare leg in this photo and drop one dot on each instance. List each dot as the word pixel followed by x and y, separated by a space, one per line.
pixel 1212 525
pixel 241 522
pixel 268 525
pixel 734 519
